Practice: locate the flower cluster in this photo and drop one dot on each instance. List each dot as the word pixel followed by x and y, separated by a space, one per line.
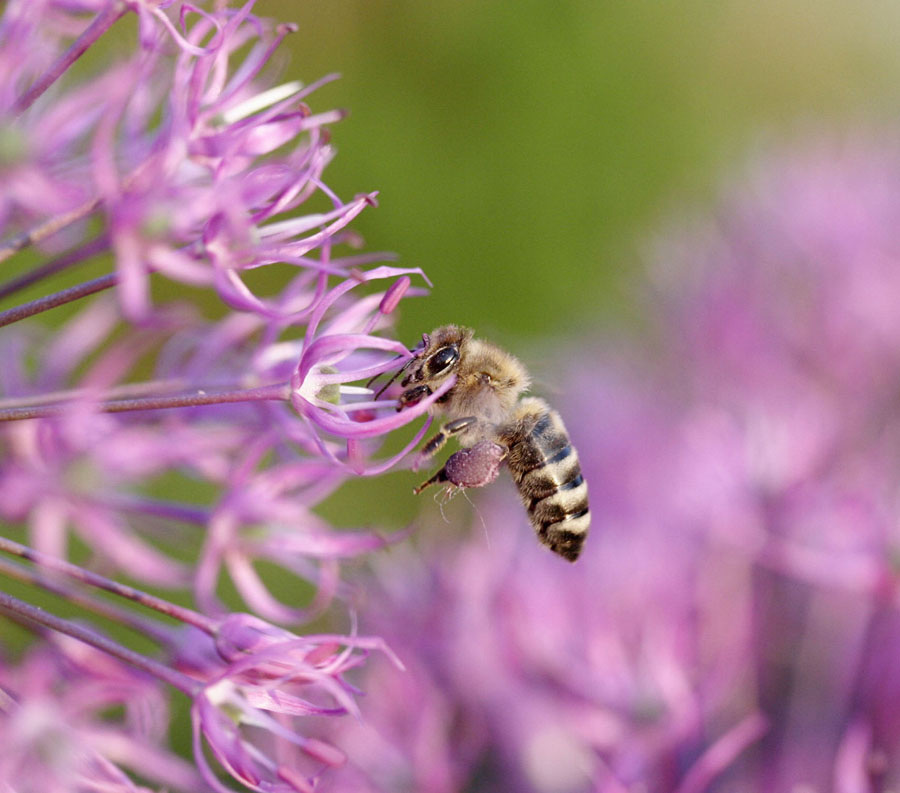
pixel 733 622
pixel 197 389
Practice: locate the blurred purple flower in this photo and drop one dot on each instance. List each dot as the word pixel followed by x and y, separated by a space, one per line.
pixel 56 732
pixel 733 623
pixel 175 151
pixel 273 678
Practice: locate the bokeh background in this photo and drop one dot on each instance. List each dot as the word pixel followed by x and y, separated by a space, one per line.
pixel 522 149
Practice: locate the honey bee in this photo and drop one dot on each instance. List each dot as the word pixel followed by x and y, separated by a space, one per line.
pixel 494 423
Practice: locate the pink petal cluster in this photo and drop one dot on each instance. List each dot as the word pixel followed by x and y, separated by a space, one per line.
pixel 179 428
pixel 245 713
pixel 57 735
pixel 194 167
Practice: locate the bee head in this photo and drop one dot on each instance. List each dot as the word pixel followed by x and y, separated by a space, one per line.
pixel 436 359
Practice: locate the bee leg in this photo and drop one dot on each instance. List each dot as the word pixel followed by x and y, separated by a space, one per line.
pixel 450 428
pixel 437 442
pixel 440 476
pixel 475 466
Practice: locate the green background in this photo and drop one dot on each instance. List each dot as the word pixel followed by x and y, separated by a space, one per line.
pixel 525 152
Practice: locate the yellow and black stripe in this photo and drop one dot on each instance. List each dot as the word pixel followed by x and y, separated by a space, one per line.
pixel 545 467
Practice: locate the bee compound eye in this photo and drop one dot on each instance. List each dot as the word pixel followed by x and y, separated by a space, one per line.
pixel 443 359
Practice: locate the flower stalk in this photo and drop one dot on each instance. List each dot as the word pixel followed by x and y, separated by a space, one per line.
pixel 278 392
pixel 83 576
pixel 47 229
pixel 69 259
pixel 29 309
pixel 38 616
pixel 108 16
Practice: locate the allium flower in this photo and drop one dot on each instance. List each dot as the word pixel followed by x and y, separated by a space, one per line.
pixel 273 672
pixel 733 622
pixel 182 443
pixel 56 735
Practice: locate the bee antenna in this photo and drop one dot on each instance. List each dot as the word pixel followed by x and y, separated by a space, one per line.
pixel 373 379
pixel 389 382
pixel 387 385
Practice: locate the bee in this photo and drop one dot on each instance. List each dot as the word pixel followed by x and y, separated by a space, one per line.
pixel 494 423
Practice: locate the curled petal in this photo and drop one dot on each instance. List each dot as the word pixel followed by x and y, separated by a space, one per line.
pixel 345 427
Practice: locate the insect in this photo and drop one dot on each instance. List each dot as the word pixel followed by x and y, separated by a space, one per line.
pixel 494 423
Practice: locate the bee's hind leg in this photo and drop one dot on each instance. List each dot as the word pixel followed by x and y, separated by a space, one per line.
pixel 440 476
pixel 475 466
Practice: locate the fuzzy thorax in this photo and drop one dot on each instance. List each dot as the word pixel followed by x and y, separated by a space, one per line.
pixel 489 382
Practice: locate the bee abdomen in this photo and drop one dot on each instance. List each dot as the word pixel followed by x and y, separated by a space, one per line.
pixel 546 469
pixel 561 518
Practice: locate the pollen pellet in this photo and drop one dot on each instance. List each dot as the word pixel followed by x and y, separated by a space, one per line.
pixel 476 466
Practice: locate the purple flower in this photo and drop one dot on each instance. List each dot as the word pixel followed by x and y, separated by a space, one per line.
pixel 56 736
pixel 181 425
pixel 173 151
pixel 272 680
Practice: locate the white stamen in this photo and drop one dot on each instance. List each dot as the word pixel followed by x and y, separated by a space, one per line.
pixel 261 101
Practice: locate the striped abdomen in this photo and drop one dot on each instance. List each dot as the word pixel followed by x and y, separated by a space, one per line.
pixel 545 467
